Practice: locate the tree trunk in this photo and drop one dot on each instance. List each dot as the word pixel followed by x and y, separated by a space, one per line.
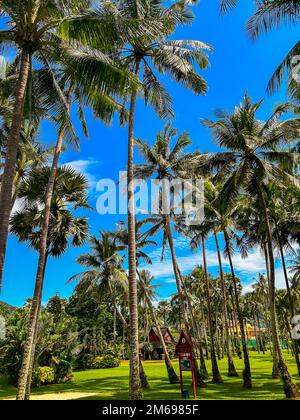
pixel 173 378
pixel 7 177
pixel 247 369
pixel 202 375
pixel 39 282
pixel 143 377
pixel 290 299
pixel 255 332
pixel 275 371
pixel 290 388
pixel 33 354
pixel 175 267
pixel 135 392
pixel 231 367
pixel 217 379
pixel 262 346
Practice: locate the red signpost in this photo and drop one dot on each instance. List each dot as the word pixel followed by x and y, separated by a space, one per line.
pixel 184 349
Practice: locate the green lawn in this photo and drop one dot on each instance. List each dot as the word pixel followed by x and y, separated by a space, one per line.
pixel 113 383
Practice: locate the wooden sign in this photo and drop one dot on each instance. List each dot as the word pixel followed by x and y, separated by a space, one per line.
pixel 184 349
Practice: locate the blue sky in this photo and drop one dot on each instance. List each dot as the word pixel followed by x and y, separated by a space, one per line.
pixel 237 65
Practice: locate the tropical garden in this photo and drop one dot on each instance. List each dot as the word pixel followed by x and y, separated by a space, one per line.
pixel 65 59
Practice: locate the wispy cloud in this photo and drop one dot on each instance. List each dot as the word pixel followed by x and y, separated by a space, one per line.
pixel 85 168
pixel 246 268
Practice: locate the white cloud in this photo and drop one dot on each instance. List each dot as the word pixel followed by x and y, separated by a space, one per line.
pixel 254 264
pixel 84 166
pixel 280 282
pixel 247 268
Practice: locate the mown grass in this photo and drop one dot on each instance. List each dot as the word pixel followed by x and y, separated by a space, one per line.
pixel 112 384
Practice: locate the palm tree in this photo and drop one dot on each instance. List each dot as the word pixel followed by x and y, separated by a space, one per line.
pixel 106 275
pixel 250 160
pixel 59 102
pixel 215 223
pixel 69 193
pixel 164 161
pixel 270 14
pixel 36 302
pixel 198 238
pixel 142 55
pixel 146 289
pixel 31 28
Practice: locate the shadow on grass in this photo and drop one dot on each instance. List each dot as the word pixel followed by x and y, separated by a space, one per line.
pixel 112 384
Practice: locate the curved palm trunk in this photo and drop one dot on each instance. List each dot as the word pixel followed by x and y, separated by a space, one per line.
pixel 217 379
pixel 290 388
pixel 173 378
pixel 275 371
pixel 32 361
pixel 7 178
pixel 231 367
pixel 175 267
pixel 179 283
pixel 201 375
pixel 289 293
pixel 39 282
pixel 134 385
pixel 247 370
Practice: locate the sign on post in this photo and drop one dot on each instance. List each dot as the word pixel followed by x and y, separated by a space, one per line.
pixel 184 349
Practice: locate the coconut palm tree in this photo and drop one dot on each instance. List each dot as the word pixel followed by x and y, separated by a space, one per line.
pixel 69 193
pixel 107 276
pixel 164 161
pixel 146 289
pixel 198 235
pixel 143 56
pixel 215 223
pixel 270 14
pixel 30 27
pixel 39 32
pixel 251 145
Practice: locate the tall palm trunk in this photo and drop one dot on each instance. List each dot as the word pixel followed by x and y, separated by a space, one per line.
pixel 7 178
pixel 275 371
pixel 39 282
pixel 203 374
pixel 134 385
pixel 290 299
pixel 217 379
pixel 290 388
pixel 231 367
pixel 173 378
pixel 32 361
pixel 260 331
pixel 175 267
pixel 179 283
pixel 143 376
pixel 247 370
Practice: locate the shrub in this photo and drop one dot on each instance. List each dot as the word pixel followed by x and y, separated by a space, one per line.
pixel 105 362
pixel 43 375
pixel 63 371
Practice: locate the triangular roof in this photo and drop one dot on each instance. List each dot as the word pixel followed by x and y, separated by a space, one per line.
pixel 164 331
pixel 184 341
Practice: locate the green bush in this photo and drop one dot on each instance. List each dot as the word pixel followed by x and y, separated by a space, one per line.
pixel 43 375
pixel 105 362
pixel 63 371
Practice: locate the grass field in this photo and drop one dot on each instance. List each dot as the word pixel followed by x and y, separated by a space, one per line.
pixel 111 384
